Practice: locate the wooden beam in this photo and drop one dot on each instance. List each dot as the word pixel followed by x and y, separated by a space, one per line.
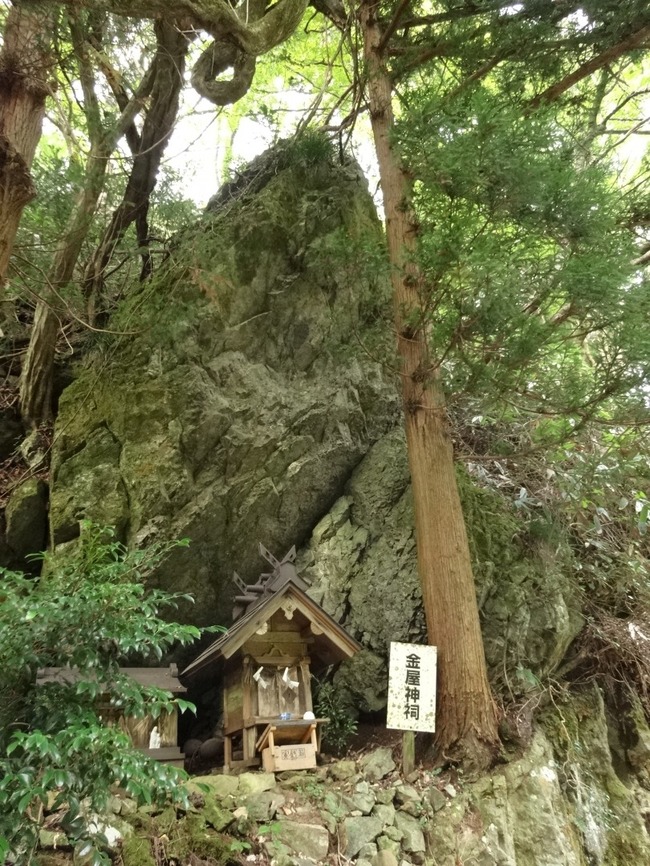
pixel 408 752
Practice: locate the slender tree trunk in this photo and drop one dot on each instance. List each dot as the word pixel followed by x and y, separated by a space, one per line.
pixel 466 724
pixel 25 82
pixel 38 365
pixel 172 46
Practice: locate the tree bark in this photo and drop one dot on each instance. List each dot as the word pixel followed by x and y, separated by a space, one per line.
pixel 172 46
pixel 25 81
pixel 609 55
pixel 38 365
pixel 466 724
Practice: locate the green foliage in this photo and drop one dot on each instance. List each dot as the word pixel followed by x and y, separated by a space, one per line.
pixel 526 254
pixel 310 148
pixel 585 501
pixel 90 611
pixel 171 210
pixel 342 725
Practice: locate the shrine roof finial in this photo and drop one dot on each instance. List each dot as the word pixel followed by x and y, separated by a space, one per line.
pixel 268 582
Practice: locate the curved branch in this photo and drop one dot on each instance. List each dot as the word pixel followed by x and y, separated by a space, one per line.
pixel 241 32
pixel 215 60
pixel 263 31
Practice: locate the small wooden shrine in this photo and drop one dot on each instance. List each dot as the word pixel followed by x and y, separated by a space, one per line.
pixel 157 737
pixel 265 662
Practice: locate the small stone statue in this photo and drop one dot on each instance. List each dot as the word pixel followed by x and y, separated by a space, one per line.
pixel 154 738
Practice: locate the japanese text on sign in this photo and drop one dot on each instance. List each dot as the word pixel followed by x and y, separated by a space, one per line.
pixel 412 687
pixel 292 753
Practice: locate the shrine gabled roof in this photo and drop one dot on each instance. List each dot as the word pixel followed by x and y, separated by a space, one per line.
pixel 161 678
pixel 341 645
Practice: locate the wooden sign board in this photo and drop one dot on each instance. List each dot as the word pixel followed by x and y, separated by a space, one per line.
pixel 412 687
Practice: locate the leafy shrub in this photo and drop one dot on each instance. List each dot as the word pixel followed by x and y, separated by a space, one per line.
pixel 91 611
pixel 342 724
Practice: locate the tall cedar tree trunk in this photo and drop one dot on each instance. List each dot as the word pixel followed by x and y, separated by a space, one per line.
pixel 25 81
pixel 466 724
pixel 148 148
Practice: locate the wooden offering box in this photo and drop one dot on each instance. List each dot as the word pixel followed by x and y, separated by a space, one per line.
pixel 265 663
pixel 300 753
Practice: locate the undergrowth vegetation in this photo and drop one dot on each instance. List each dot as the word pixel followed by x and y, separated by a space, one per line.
pixel 582 506
pixel 87 614
pixel 342 725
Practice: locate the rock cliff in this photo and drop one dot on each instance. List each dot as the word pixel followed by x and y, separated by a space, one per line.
pixel 238 403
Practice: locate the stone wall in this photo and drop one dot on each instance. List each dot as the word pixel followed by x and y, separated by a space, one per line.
pixel 560 803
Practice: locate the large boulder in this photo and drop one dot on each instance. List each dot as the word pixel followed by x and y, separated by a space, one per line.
pixel 239 410
pixel 361 561
pixel 239 405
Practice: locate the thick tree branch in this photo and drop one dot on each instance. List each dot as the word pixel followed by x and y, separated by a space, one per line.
pixel 217 17
pixel 392 25
pixel 156 130
pixel 634 40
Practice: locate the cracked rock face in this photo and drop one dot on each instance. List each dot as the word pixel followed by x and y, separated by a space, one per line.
pixel 242 407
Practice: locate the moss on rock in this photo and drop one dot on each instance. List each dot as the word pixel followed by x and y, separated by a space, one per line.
pixel 228 417
pixel 530 606
pixel 136 851
pixel 26 520
pixel 604 808
pixel 178 838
